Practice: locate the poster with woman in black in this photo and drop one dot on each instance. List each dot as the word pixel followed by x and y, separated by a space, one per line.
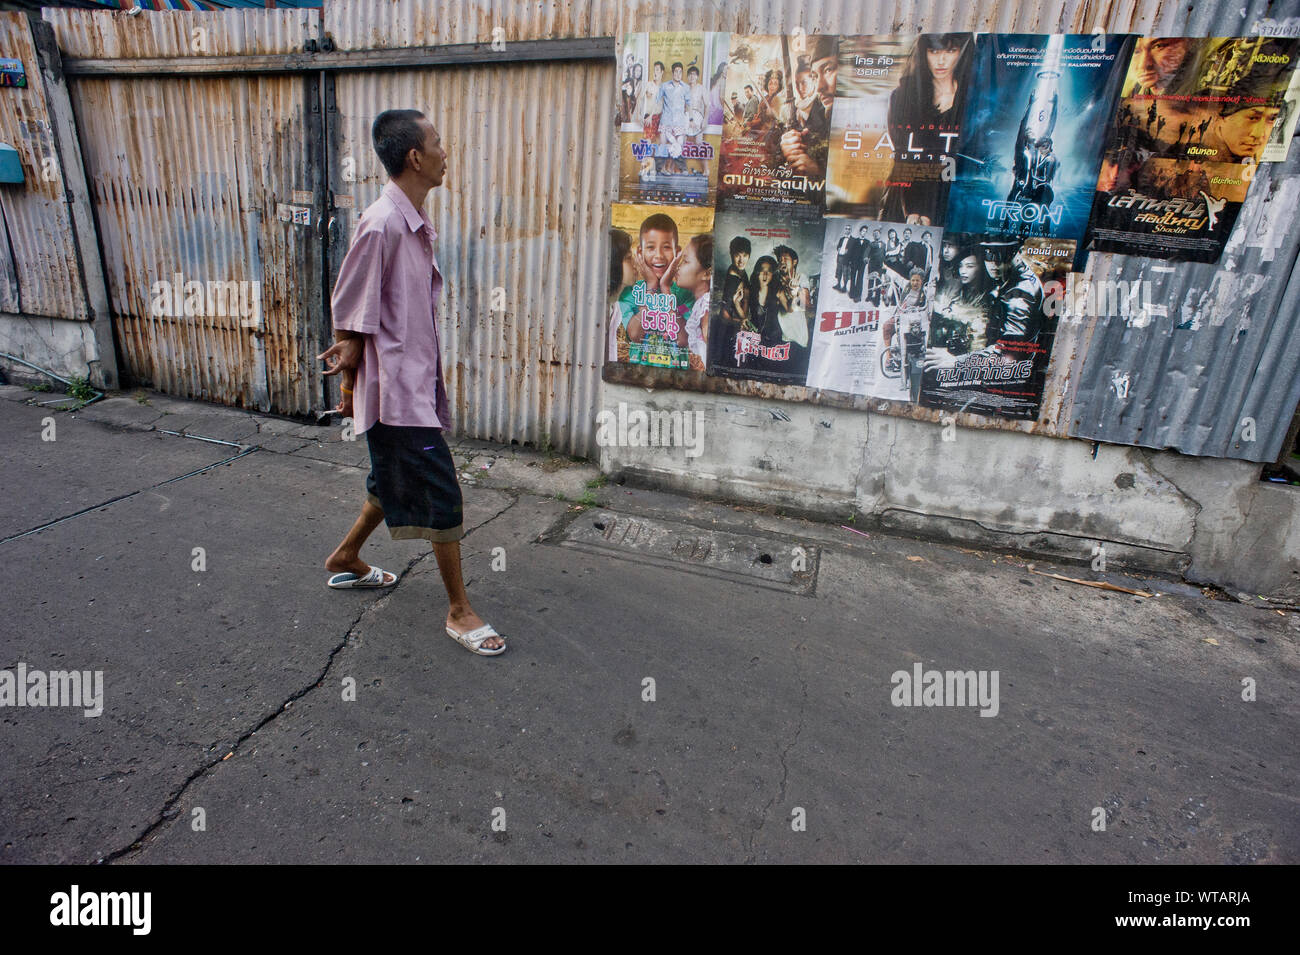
pixel 896 125
pixel 768 273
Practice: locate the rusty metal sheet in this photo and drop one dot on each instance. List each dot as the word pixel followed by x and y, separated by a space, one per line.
pixel 186 175
pixel 369 24
pixel 521 222
pixel 523 233
pixel 143 34
pixel 44 275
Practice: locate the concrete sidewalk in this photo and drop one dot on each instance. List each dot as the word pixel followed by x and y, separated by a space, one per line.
pixel 770 643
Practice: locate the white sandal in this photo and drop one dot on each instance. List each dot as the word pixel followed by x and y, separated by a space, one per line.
pixel 376 577
pixel 473 640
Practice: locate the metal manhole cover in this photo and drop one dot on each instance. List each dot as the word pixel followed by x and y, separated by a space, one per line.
pixel 771 562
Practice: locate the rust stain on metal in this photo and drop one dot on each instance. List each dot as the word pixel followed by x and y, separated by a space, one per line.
pixel 185 174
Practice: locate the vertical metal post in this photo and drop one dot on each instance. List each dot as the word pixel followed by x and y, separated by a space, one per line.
pixel 81 210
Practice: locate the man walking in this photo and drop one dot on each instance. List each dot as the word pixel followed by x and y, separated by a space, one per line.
pixel 386 347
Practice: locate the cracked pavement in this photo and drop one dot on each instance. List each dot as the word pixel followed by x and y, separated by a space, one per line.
pixel 225 688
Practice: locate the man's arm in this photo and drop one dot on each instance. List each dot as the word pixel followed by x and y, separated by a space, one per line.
pixel 355 305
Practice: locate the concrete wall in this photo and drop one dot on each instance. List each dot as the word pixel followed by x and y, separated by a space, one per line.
pixel 1207 519
pixel 67 348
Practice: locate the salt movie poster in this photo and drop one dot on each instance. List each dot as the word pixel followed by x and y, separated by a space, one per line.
pixel 767 274
pixel 1033 135
pixel 670 116
pixel 1196 116
pixel 873 309
pixel 896 125
pixel 779 94
pixel 660 273
pixel 992 323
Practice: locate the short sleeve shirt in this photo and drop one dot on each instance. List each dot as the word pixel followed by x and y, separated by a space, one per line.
pixel 387 290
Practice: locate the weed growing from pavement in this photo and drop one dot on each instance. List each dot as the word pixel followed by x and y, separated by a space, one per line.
pixel 80 388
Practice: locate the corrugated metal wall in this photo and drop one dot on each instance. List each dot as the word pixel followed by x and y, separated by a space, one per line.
pixel 513 128
pixel 1228 382
pixel 369 24
pixel 523 217
pixel 185 174
pixel 520 235
pixel 42 276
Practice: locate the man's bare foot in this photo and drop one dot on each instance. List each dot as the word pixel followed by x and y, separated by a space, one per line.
pixel 463 621
pixel 341 563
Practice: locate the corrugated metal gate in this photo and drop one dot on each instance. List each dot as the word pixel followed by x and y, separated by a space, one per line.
pixel 186 174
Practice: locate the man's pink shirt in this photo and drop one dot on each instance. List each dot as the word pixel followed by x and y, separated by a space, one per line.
pixel 387 290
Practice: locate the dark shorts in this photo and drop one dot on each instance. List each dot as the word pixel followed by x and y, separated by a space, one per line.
pixel 413 481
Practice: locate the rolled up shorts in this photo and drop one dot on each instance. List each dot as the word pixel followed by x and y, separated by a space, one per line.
pixel 413 481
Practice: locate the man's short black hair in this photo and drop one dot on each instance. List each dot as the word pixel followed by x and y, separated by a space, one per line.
pixel 781 250
pixel 677 65
pixel 739 245
pixel 395 133
pixel 660 222
pixel 821 47
pixel 693 69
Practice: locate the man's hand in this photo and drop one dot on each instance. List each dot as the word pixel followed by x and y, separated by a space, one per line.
pixel 345 354
pixel 938 358
pixel 796 155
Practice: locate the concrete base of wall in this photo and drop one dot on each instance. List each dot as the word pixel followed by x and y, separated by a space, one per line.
pixel 66 348
pixel 1209 520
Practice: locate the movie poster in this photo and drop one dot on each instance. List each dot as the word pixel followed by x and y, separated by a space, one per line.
pixel 992 323
pixel 767 272
pixel 896 125
pixel 670 116
pixel 779 93
pixel 879 283
pixel 1195 118
pixel 1279 141
pixel 660 272
pixel 1032 137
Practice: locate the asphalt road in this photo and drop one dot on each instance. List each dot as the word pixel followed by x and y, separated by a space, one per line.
pixel 228 734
